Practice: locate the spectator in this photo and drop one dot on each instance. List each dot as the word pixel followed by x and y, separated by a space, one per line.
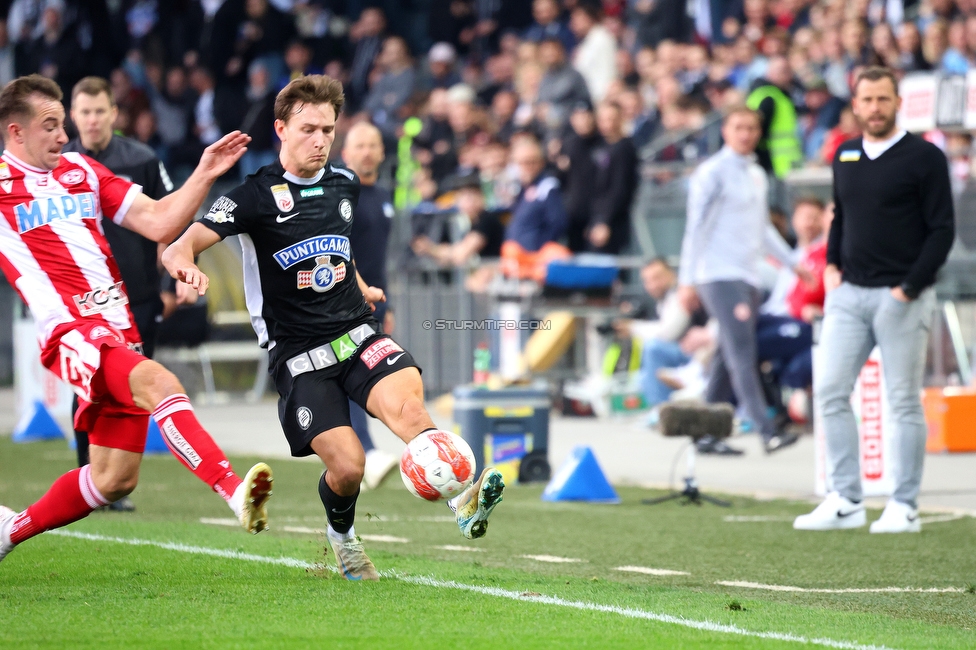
pixel 502 114
pixel 8 70
pixel 612 187
pixel 474 232
pixel 205 127
pixel 548 25
pixel 884 45
pixel 956 57
pixel 660 337
pixel 441 72
pixel 393 87
pixel 654 21
pixel 561 88
pixel 847 129
pixel 497 182
pixel 779 149
pixel 577 169
pixel 538 216
pixel 55 52
pixel 499 75
pixel 822 114
pixel 259 114
pixel 298 61
pixel 935 42
pixel 366 37
pixel 910 57
pixel 727 228
pixel 261 32
pixel 594 57
pixel 173 107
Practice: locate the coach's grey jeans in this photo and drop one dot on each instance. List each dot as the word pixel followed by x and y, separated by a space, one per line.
pixel 734 304
pixel 855 320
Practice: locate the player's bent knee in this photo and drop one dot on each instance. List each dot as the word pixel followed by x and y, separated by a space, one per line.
pixel 151 383
pixel 346 477
pixel 114 485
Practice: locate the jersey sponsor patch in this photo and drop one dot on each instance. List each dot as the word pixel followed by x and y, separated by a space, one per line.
pixel 282 197
pixel 72 177
pixel 100 332
pixel 4 170
pixel 345 209
pixel 311 191
pixel 101 299
pixel 379 351
pixel 34 214
pixel 344 172
pixel 7 186
pixel 222 211
pixel 324 276
pixel 849 156
pixel 313 247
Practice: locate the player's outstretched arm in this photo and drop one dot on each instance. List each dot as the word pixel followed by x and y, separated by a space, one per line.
pixel 178 257
pixel 163 220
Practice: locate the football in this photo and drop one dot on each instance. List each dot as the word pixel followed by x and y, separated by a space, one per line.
pixel 437 465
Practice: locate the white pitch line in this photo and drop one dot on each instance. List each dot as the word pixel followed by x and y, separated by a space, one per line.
pixel 940 519
pixel 652 572
pixel 554 559
pixel 219 521
pixel 462 549
pixel 749 519
pixel 853 590
pixel 705 626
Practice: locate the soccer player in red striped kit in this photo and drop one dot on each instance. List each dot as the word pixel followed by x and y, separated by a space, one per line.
pixel 54 253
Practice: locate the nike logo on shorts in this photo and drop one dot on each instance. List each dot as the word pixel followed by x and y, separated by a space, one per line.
pixel 393 360
pixel 283 219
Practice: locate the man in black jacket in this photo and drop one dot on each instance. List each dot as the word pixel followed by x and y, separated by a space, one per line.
pixel 93 111
pixel 892 231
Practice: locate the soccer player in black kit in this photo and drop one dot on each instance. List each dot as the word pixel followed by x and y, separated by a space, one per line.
pixel 312 310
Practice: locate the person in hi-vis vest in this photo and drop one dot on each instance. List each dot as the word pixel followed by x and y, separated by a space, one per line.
pixel 779 149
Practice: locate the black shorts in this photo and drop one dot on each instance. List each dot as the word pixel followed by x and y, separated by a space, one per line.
pixel 317 401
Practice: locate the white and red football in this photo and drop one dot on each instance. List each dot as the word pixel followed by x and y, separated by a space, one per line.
pixel 437 465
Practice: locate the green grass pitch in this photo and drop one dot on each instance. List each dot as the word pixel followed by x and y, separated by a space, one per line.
pixel 162 578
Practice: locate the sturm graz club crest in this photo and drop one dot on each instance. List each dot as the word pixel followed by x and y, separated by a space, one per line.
pixel 324 276
pixel 304 416
pixel 345 209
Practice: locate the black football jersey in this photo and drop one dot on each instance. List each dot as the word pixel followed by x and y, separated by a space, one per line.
pixel 299 274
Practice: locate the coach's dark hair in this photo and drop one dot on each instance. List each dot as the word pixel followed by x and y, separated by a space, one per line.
pixel 310 89
pixel 93 87
pixel 15 97
pixel 876 73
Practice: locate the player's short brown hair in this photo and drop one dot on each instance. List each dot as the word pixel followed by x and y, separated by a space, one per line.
pixel 741 109
pixel 15 97
pixel 93 87
pixel 876 73
pixel 809 200
pixel 309 89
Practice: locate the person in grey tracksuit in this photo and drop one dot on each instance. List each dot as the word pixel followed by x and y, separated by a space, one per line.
pixel 726 235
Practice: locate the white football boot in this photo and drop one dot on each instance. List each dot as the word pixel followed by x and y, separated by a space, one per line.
pixel 897 517
pixel 379 464
pixel 7 517
pixel 835 513
pixel 473 506
pixel 351 557
pixel 250 498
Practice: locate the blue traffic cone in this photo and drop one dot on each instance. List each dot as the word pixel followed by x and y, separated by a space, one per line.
pixel 580 479
pixel 154 440
pixel 37 424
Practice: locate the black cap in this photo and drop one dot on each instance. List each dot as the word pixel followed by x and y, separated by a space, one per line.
pixel 471 180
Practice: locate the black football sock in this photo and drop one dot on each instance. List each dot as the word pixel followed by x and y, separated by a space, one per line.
pixel 339 510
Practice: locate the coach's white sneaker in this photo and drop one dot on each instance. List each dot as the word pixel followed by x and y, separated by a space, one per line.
pixel 835 513
pixel 897 517
pixel 379 464
pixel 7 517
pixel 473 506
pixel 250 498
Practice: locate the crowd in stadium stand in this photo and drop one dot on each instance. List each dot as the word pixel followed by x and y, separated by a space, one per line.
pixel 479 71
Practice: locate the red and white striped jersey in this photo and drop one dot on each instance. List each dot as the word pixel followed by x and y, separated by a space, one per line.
pixel 52 248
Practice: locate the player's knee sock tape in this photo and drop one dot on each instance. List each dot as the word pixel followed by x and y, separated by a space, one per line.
pixel 339 510
pixel 193 446
pixel 72 497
